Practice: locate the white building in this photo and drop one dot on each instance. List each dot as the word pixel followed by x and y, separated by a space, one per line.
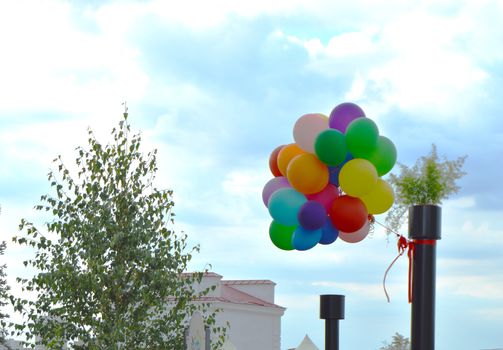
pixel 248 306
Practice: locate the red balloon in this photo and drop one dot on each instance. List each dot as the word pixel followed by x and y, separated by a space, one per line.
pixel 348 214
pixel 273 161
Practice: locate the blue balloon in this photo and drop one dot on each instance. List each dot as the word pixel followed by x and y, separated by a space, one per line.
pixel 349 156
pixel 303 239
pixel 333 171
pixel 284 205
pixel 328 232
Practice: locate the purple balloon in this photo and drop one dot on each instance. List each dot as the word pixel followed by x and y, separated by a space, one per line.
pixel 272 186
pixel 312 215
pixel 343 114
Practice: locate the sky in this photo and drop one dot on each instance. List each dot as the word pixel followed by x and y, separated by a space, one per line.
pixel 215 86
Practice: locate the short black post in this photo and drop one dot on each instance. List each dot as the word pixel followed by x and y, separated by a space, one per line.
pixel 207 338
pixel 332 310
pixel 424 230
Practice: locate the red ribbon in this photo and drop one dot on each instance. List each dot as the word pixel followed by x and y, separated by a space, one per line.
pixel 410 254
pixel 409 245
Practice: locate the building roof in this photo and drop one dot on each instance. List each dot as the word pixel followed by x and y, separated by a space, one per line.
pixel 231 295
pixel 247 282
pixel 240 297
pixel 234 296
pixel 206 274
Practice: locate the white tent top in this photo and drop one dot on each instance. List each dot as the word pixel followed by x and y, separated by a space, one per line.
pixel 228 345
pixel 307 344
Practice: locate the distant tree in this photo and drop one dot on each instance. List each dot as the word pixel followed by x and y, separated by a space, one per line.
pixel 398 342
pixel 108 261
pixel 429 181
pixel 4 296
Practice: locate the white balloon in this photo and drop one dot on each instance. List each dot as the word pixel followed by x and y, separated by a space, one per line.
pixel 307 128
pixel 357 236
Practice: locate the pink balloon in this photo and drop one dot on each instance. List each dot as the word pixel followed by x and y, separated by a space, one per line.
pixel 357 236
pixel 307 128
pixel 326 196
pixel 272 186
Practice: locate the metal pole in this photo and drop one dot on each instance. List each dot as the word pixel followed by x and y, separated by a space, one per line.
pixel 424 230
pixel 332 310
pixel 207 340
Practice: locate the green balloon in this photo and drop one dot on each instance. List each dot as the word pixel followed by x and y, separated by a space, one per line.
pixel 361 137
pixel 330 147
pixel 384 156
pixel 281 235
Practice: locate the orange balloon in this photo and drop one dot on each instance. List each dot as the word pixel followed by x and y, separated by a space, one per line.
pixel 286 154
pixel 307 174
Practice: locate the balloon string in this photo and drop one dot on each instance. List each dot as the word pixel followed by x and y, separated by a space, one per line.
pixel 388 229
pixel 403 244
pixel 386 275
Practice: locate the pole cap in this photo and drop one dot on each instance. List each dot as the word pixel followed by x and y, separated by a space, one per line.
pixel 425 222
pixel 332 307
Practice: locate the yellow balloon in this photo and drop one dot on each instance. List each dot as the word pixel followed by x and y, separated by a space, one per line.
pixel 307 174
pixel 380 199
pixel 286 154
pixel 358 177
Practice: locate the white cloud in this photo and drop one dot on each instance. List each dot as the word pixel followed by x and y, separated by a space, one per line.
pixel 297 302
pixel 244 183
pixel 415 61
pixel 313 46
pixel 193 14
pixel 487 286
pixel 357 90
pixel 366 290
pixel 34 145
pixel 465 202
pixel 54 65
pixel 485 231
pixel 60 66
pixel 429 79
pixel 351 44
pixel 492 314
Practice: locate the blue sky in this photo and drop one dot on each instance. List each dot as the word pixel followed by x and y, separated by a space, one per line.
pixel 216 86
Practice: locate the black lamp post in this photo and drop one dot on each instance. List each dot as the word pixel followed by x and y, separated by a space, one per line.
pixel 424 231
pixel 332 310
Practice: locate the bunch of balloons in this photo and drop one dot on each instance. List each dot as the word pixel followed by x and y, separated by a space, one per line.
pixel 328 182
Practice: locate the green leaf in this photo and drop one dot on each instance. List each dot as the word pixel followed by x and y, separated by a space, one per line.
pixel 430 181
